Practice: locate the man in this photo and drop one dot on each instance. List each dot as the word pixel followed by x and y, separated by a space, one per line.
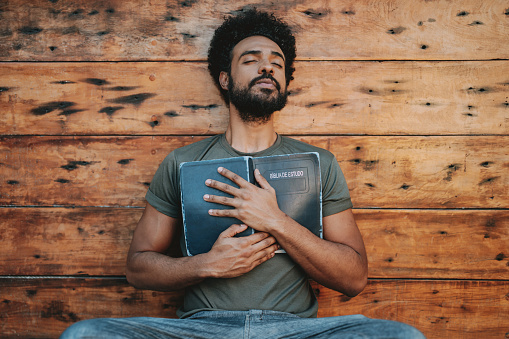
pixel 242 288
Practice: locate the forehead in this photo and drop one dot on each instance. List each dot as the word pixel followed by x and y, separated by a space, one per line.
pixel 255 43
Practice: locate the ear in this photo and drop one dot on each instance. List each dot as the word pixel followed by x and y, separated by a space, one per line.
pixel 224 79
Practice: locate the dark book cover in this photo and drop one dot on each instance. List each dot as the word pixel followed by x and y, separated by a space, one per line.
pixel 295 178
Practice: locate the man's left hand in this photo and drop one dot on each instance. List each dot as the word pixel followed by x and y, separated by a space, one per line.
pixel 255 206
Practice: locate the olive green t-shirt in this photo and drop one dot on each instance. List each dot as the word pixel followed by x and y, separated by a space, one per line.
pixel 278 284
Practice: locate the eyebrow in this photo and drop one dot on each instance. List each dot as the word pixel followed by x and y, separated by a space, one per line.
pixel 257 52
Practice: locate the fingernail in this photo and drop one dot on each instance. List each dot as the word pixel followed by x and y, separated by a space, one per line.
pixel 219 169
pixel 207 182
pixel 206 196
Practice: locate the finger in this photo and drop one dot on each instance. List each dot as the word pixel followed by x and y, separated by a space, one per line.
pixel 265 255
pixel 263 259
pixel 260 179
pixel 233 230
pixel 222 186
pixel 257 237
pixel 241 182
pixel 263 236
pixel 219 200
pixel 266 244
pixel 233 213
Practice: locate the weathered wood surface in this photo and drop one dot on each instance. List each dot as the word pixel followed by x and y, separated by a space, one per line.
pixel 423 172
pixel 422 244
pixel 440 309
pixel 380 98
pixel 66 241
pixel 44 307
pixel 177 30
pixel 386 172
pixel 450 244
pixel 456 309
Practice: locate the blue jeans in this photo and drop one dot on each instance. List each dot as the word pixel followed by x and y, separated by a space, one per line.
pixel 242 324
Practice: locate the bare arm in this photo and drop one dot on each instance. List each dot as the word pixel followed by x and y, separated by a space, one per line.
pixel 338 261
pixel 148 266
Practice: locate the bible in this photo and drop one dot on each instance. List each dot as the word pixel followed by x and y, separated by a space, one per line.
pixel 294 177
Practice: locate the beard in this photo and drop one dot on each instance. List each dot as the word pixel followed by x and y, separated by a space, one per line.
pixel 257 107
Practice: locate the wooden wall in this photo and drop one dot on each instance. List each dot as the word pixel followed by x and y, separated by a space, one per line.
pixel 411 96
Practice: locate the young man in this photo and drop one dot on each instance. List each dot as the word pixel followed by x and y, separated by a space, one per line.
pixel 242 288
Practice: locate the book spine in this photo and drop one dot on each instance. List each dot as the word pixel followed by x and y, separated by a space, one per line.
pixel 250 171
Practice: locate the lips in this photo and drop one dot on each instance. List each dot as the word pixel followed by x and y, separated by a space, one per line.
pixel 265 81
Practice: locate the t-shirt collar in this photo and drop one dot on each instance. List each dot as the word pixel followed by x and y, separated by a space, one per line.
pixel 266 152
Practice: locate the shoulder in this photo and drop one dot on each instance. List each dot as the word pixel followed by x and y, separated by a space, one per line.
pixel 193 151
pixel 297 146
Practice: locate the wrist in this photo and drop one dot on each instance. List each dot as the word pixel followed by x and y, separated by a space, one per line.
pixel 198 264
pixel 206 267
pixel 279 226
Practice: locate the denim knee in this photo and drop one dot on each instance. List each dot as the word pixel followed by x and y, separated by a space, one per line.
pixel 396 329
pixel 83 329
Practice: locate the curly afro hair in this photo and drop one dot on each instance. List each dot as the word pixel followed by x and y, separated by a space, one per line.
pixel 249 23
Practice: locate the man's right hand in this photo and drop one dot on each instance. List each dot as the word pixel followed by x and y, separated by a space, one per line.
pixel 149 267
pixel 234 256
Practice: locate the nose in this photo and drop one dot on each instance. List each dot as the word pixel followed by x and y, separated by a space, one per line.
pixel 266 67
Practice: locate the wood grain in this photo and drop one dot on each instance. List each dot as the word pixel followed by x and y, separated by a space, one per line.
pixel 437 244
pixel 181 30
pixel 422 172
pixel 388 98
pixel 452 309
pixel 424 244
pixel 457 309
pixel 382 172
pixel 66 241
pixel 50 305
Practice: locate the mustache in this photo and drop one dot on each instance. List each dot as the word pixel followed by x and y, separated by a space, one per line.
pixel 265 76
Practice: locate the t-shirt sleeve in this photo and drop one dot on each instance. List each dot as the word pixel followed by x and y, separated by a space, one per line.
pixel 163 192
pixel 335 194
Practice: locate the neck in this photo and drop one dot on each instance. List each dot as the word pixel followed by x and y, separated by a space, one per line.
pixel 249 137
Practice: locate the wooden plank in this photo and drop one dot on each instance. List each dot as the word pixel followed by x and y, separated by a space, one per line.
pixel 175 30
pixel 450 244
pixel 439 309
pixel 422 98
pixel 453 309
pixel 45 307
pixel 81 171
pixel 382 172
pixel 66 241
pixel 422 244
pixel 422 172
pixel 390 98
